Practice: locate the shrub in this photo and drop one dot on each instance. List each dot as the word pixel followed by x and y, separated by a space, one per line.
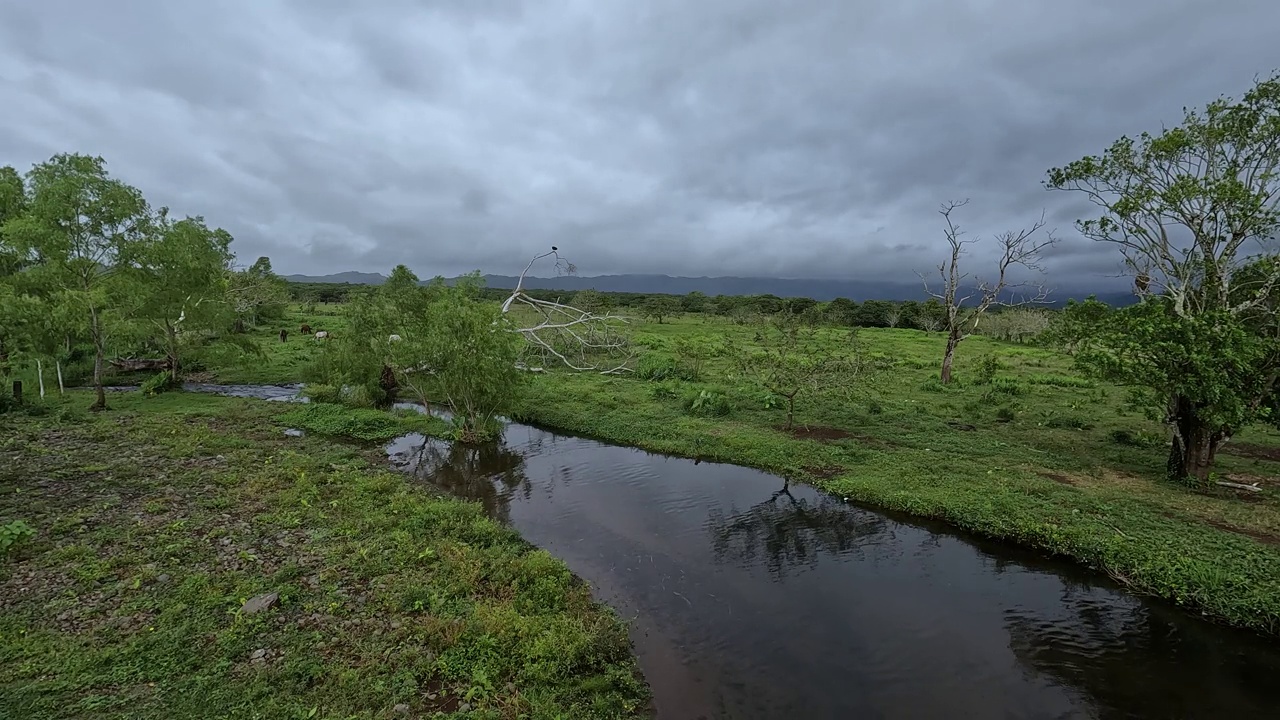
pixel 1005 386
pixel 663 391
pixel 322 393
pixel 158 383
pixel 707 403
pixel 662 367
pixel 1005 414
pixel 1135 439
pixel 874 407
pixel 988 366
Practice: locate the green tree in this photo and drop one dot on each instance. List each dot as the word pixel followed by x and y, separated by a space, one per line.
pixel 80 227
pixel 1186 208
pixel 660 307
pixel 590 300
pixel 462 352
pixel 694 302
pixel 257 294
pixel 180 288
pixel 795 361
pixel 840 311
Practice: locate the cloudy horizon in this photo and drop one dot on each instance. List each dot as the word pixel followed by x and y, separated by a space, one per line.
pixel 811 140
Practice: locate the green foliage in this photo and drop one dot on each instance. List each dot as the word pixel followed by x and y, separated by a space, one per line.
pixel 456 350
pixel 692 354
pixel 1005 414
pixel 363 424
pixel 158 383
pixel 1003 386
pixel 657 367
pixel 795 361
pixel 1201 348
pixel 988 366
pixel 1062 381
pixel 12 535
pixel 1068 422
pixel 1132 438
pixel 707 402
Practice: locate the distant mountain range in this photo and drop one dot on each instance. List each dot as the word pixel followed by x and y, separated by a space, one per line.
pixel 857 290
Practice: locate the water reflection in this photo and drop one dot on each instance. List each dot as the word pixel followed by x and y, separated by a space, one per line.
pixel 750 599
pixel 785 532
pixel 489 473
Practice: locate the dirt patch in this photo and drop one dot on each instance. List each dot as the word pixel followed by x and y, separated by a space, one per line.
pixel 1265 538
pixel 1061 478
pixel 819 433
pixel 823 472
pixel 1252 450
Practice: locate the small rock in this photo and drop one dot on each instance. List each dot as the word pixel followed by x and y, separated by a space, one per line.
pixel 258 654
pixel 258 603
pixel 395 625
pixel 401 708
pixel 162 577
pixel 464 707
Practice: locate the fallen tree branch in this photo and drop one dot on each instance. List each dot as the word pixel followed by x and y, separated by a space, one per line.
pixel 1239 486
pixel 133 364
pixel 578 339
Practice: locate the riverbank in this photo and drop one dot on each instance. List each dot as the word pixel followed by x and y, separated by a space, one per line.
pixel 1040 456
pixel 159 522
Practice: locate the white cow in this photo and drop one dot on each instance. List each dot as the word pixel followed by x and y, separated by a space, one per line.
pixel 393 338
pixel 322 334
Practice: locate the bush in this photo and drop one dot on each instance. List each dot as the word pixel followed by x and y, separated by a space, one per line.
pixel 321 393
pixel 1005 414
pixel 158 383
pixel 663 391
pixel 707 403
pixel 874 407
pixel 988 366
pixel 662 367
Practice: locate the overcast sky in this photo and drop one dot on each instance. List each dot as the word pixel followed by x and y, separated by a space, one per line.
pixel 811 138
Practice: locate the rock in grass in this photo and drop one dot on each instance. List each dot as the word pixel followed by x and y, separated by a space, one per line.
pixel 258 603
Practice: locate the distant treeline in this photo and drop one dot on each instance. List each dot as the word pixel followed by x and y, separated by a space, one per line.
pixel 929 315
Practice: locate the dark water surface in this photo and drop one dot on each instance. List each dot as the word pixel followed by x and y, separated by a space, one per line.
pixel 751 600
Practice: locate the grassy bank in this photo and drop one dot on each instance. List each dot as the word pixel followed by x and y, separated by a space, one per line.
pixel 157 521
pixel 1038 455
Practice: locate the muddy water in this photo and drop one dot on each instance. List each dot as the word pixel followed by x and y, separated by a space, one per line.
pixel 752 600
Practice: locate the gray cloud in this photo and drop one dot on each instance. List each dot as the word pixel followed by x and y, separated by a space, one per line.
pixel 806 139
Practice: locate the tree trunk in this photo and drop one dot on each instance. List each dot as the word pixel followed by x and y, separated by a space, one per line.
pixel 239 327
pixel 791 410
pixel 99 354
pixel 40 376
pixel 61 388
pixel 172 354
pixel 1195 443
pixel 953 339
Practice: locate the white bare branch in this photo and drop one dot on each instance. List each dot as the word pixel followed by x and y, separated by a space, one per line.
pixel 579 339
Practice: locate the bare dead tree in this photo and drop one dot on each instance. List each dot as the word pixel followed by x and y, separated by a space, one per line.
pixel 556 332
pixel 1017 248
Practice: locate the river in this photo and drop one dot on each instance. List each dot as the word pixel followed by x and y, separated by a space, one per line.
pixel 749 598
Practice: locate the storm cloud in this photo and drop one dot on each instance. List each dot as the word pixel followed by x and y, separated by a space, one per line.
pixel 813 138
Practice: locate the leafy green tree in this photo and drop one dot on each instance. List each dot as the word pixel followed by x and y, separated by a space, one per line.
pixel 1187 209
pixel 873 313
pixel 840 311
pixel 660 307
pixel 180 288
pixel 694 302
pixel 257 294
pixel 462 352
pixel 795 361
pixel 590 300
pixel 80 227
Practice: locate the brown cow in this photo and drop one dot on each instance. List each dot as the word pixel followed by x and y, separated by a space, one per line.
pixel 284 335
pixel 305 329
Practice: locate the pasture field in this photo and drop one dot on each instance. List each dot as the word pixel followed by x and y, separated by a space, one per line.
pixel 1038 456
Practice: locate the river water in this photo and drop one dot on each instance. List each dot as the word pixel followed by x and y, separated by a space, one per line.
pixel 751 599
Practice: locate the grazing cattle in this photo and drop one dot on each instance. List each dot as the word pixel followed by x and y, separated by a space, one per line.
pixel 321 334
pixel 393 338
pixel 284 336
pixel 305 330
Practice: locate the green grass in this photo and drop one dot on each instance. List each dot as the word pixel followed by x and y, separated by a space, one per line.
pixel 1039 455
pixel 155 521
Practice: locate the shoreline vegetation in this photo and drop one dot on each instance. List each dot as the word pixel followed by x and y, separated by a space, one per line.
pixel 1034 454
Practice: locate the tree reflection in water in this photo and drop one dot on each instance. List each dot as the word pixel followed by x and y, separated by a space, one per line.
pixel 784 531
pixel 487 472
